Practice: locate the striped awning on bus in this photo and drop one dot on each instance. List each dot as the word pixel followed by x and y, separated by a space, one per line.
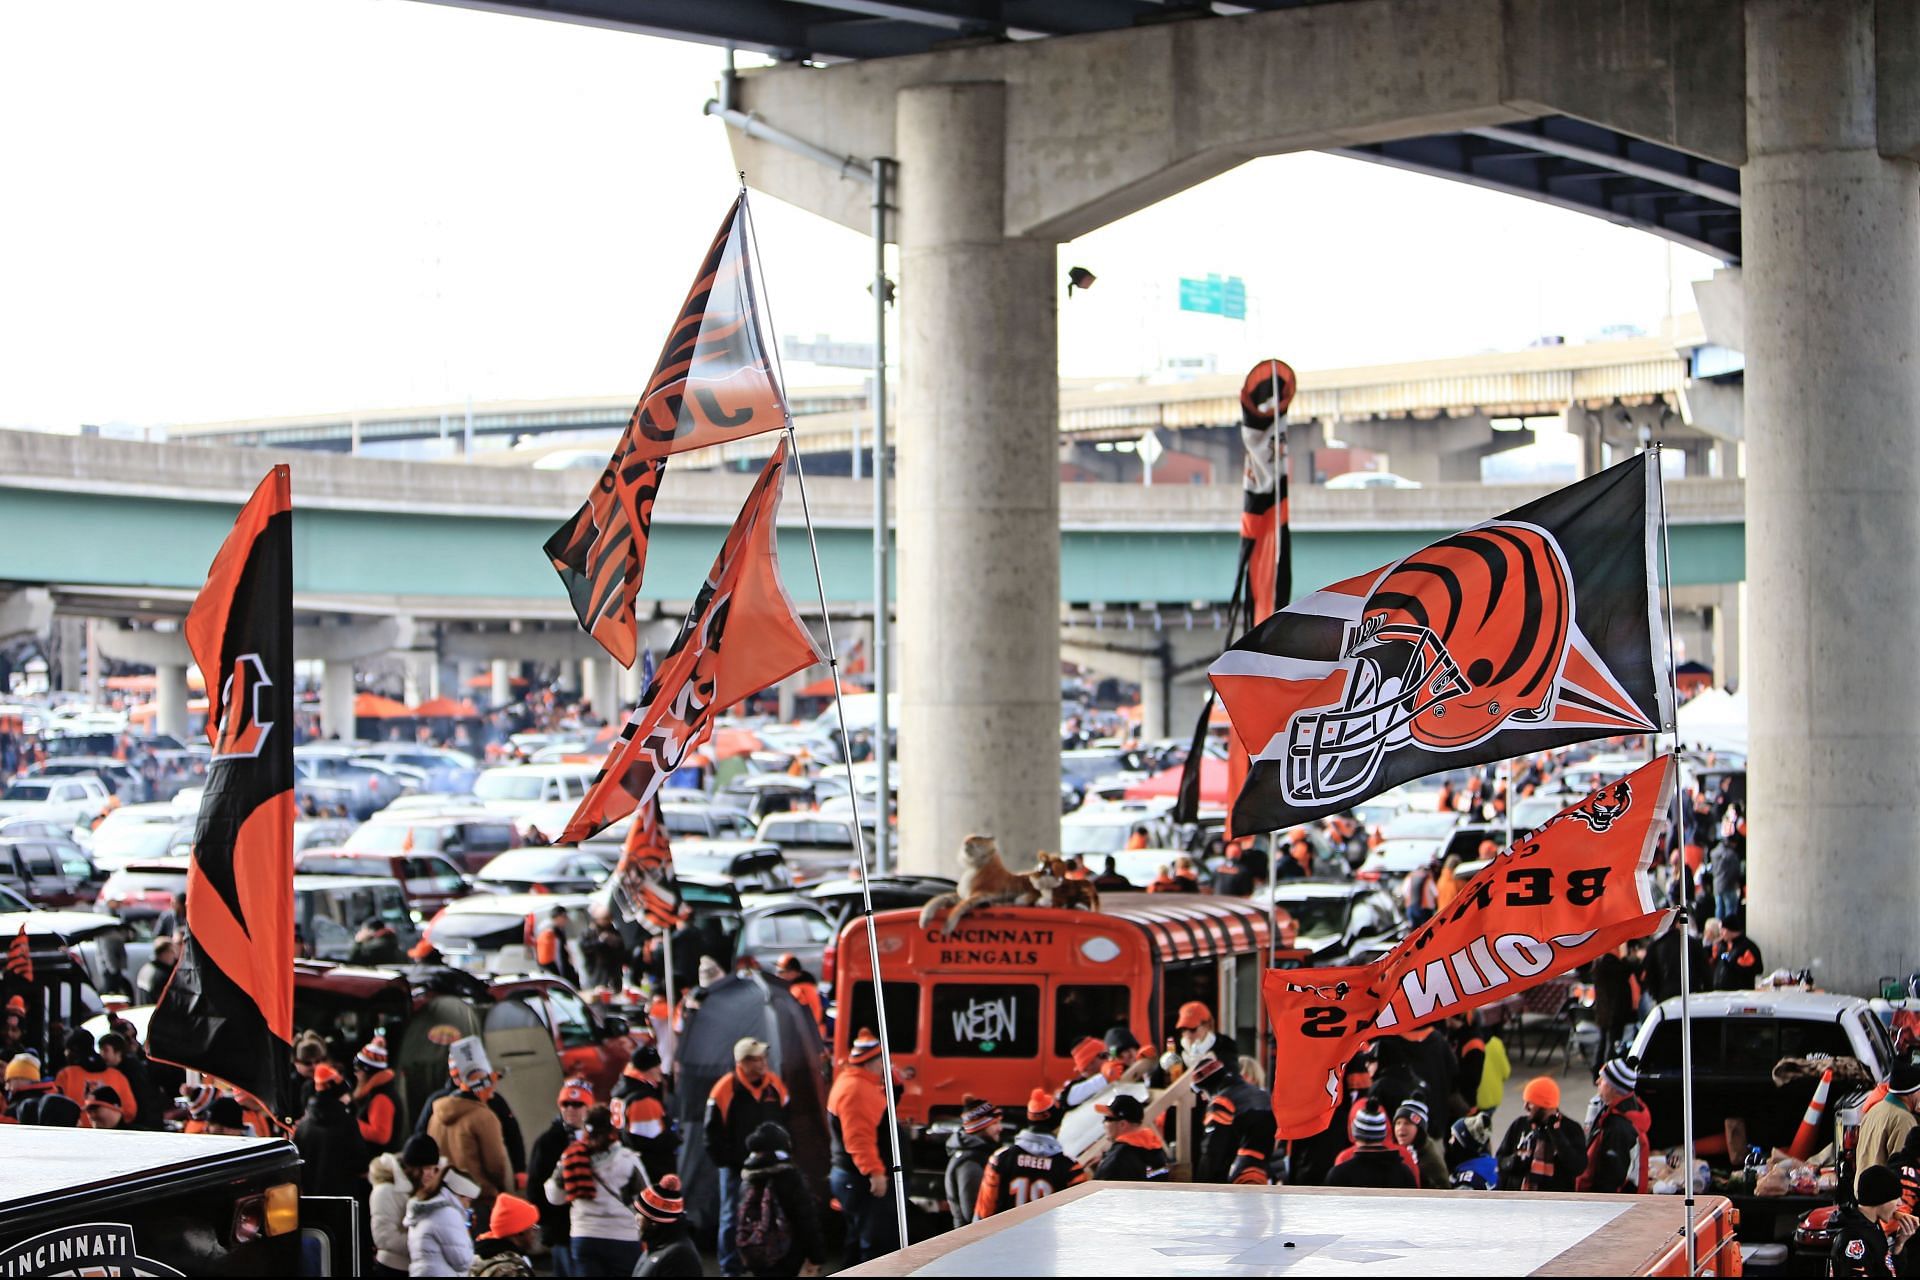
pixel 1187 926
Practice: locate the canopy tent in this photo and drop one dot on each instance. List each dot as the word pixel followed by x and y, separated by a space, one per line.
pixel 1714 718
pixel 1214 788
pixel 371 706
pixel 485 681
pixel 445 709
pixel 728 743
pixel 823 687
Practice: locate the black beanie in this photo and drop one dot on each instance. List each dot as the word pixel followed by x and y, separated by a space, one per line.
pixel 1876 1185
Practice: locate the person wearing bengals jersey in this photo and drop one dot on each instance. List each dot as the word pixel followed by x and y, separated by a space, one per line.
pixel 739 1103
pixel 1239 1128
pixel 862 1151
pixel 550 947
pixel 639 1105
pixel 1030 1167
pixel 1135 1151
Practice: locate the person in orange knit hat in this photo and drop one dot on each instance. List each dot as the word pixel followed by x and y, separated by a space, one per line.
pixel 1543 1150
pixel 862 1151
pixel 1089 1055
pixel 502 1249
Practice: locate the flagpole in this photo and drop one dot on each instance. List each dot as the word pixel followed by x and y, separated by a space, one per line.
pixel 1679 844
pixel 894 1171
pixel 1273 837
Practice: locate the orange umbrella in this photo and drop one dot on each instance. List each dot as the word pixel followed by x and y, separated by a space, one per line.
pixel 728 743
pixel 371 706
pixel 1214 783
pixel 445 709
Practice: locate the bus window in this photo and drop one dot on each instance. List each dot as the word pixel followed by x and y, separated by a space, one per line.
pixel 903 1014
pixel 1079 1012
pixel 986 1020
pixel 1184 980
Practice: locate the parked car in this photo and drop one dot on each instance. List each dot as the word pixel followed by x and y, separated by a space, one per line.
pixel 774 925
pixel 1098 829
pixel 329 910
pixel 1396 858
pixel 49 872
pixel 554 870
pixel 11 900
pixel 143 890
pixel 814 837
pixel 1738 1036
pixel 493 933
pixel 707 822
pixel 750 864
pixel 28 823
pixel 368 786
pixel 73 802
pixel 1331 918
pixel 136 832
pixel 122 779
pixel 470 839
pixel 428 881
pixel 320 833
pixel 443 770
pixel 515 789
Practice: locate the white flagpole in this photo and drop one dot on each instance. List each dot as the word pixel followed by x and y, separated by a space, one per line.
pixel 1273 837
pixel 1678 838
pixel 853 799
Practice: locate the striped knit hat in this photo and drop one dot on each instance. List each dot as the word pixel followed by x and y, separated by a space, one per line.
pixel 1416 1107
pixel 374 1056
pixel 198 1100
pixel 661 1202
pixel 864 1049
pixel 1624 1073
pixel 1370 1123
pixel 978 1116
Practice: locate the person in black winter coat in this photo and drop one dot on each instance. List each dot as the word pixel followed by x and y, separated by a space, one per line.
pixel 1134 1152
pixel 1660 971
pixel 669 1247
pixel 1543 1150
pixel 1370 1162
pixel 333 1154
pixel 556 1220
pixel 1239 1115
pixel 770 1163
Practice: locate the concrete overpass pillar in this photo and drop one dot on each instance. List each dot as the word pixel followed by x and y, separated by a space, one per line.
pixel 170 699
pixel 336 698
pixel 502 682
pixel 1153 695
pixel 600 683
pixel 979 500
pixel 1831 235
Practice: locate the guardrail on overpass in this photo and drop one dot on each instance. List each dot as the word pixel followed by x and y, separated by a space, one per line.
pixel 448 541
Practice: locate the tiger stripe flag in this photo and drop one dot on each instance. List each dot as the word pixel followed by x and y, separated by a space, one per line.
pixel 1573 890
pixel 1535 629
pixel 1264 579
pixel 741 635
pixel 228 1008
pixel 646 870
pixel 20 956
pixel 713 383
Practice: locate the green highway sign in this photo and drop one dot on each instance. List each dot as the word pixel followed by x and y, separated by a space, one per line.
pixel 1215 296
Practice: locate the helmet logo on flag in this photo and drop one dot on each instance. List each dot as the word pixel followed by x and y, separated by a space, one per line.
pixel 243 730
pixel 1604 807
pixel 1458 641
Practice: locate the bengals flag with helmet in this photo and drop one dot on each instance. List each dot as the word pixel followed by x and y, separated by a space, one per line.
pixel 228 1009
pixel 1573 890
pixel 1264 580
pixel 713 383
pixel 741 636
pixel 1532 630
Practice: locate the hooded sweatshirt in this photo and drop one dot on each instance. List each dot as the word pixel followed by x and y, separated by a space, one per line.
pixel 437 1240
pixel 1135 1156
pixel 1031 1166
pixel 602 1207
pixel 1617 1149
pixel 471 1140
pixel 387 1210
pixel 967 1156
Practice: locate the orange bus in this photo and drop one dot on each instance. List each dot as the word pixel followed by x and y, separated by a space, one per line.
pixel 996 1009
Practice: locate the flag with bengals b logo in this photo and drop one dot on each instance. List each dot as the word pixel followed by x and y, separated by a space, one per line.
pixel 741 636
pixel 714 383
pixel 1573 890
pixel 1535 629
pixel 228 1009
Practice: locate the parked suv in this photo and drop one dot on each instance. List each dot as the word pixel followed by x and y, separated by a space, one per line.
pixel 469 840
pixel 72 801
pixel 428 881
pixel 49 872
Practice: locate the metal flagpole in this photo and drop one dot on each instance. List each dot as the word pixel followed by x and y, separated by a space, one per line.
pixel 1679 845
pixel 1507 765
pixel 1273 837
pixel 882 749
pixel 853 794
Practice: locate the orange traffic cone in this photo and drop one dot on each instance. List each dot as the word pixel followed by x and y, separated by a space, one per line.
pixel 1807 1140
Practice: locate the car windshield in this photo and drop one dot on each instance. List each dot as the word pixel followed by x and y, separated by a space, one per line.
pixel 29 789
pixel 529 864
pixel 493 928
pixel 687 822
pixel 1317 915
pixel 1094 837
pixel 339 864
pixel 508 786
pixel 131 882
pixel 393 837
pixel 134 840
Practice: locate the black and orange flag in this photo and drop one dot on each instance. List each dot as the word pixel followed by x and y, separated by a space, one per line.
pixel 228 1009
pixel 1535 629
pixel 714 383
pixel 1264 580
pixel 19 956
pixel 741 636
pixel 646 870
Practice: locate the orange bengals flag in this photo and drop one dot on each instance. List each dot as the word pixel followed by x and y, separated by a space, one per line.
pixel 1266 533
pixel 741 636
pixel 714 383
pixel 228 1009
pixel 1573 890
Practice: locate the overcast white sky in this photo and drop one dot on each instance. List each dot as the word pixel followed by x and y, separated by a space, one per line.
pixel 230 208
